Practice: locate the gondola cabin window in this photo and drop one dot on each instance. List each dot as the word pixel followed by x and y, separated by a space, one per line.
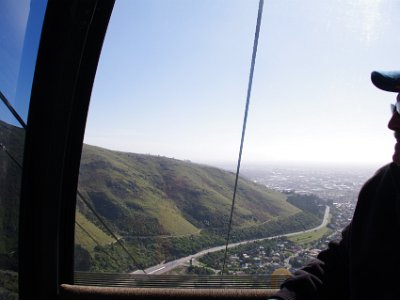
pixel 160 187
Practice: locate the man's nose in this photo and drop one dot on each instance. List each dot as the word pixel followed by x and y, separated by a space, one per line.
pixel 394 122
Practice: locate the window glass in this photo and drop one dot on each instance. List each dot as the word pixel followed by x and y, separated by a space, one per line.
pixel 162 139
pixel 20 27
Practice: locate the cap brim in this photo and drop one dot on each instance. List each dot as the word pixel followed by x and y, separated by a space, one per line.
pixel 387 81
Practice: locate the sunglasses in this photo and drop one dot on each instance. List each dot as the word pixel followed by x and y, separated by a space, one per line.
pixel 395 108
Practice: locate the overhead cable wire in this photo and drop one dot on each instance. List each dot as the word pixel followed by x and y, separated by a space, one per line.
pixel 118 240
pixel 4 148
pixel 19 119
pixel 96 242
pixel 250 83
pixel 12 110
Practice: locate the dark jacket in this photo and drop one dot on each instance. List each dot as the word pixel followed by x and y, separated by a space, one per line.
pixel 365 263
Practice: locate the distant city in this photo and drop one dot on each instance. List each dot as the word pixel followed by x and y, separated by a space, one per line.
pixel 337 184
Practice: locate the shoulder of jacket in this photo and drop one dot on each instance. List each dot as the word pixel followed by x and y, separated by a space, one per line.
pixel 383 169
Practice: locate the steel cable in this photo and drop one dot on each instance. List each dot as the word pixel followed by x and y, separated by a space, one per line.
pixel 253 62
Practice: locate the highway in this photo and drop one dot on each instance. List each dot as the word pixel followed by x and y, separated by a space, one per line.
pixel 165 267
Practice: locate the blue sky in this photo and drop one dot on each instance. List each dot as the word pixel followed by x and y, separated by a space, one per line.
pixel 173 75
pixel 20 28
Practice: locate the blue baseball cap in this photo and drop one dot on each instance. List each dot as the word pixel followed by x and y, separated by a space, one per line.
pixel 388 81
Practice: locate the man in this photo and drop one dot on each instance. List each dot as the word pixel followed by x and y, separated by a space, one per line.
pixel 365 263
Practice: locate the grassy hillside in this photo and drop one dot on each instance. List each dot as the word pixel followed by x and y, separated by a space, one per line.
pixel 11 153
pixel 159 208
pixel 144 195
pixel 163 208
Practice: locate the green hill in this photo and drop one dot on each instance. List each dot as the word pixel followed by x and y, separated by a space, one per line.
pixel 158 208
pixel 163 208
pixel 144 195
pixel 11 153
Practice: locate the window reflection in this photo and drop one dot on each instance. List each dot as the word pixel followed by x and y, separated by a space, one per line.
pixel 20 27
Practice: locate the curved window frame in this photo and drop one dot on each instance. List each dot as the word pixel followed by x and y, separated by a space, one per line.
pixel 71 41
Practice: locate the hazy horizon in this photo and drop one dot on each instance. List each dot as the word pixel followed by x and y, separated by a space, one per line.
pixel 232 165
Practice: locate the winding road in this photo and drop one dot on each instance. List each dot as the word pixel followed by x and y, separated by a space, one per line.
pixel 165 267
